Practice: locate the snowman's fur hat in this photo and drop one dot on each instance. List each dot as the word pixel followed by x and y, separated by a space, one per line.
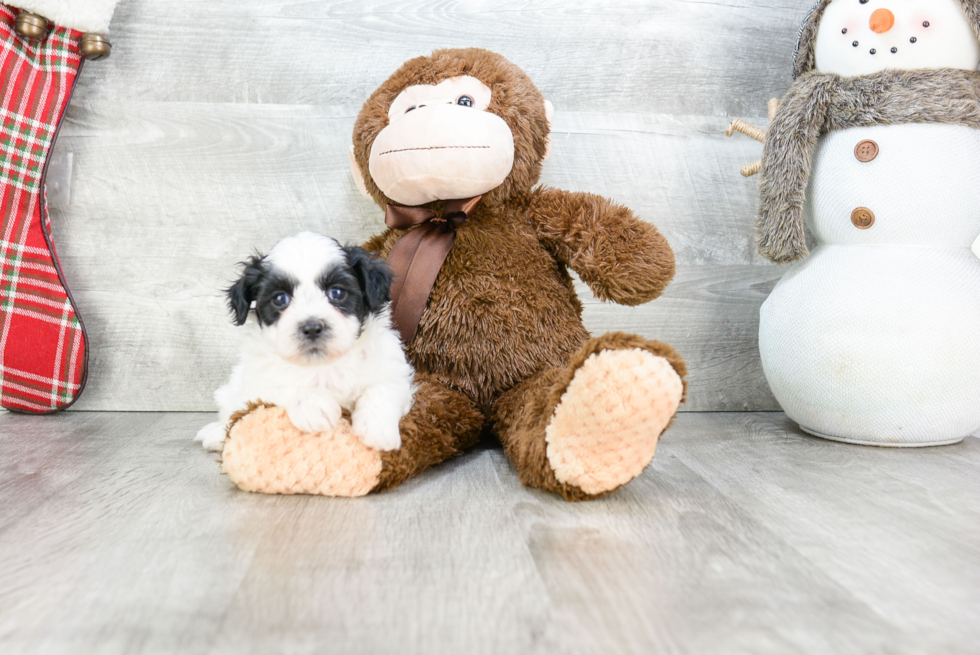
pixel 805 59
pixel 818 103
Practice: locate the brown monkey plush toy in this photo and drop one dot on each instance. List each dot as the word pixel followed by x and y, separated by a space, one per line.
pixel 451 147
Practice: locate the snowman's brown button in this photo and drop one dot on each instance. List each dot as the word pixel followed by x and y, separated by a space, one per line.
pixel 863 218
pixel 866 150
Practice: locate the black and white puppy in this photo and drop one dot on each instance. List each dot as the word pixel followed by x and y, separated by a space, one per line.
pixel 321 341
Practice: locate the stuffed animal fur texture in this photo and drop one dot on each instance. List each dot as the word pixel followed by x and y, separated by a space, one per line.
pixel 500 348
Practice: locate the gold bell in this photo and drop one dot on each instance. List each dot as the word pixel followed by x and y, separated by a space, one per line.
pixel 94 46
pixel 31 26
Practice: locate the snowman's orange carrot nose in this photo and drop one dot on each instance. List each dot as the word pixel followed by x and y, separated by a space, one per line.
pixel 882 20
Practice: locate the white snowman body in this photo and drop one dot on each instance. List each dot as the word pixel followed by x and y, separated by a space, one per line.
pixel 875 337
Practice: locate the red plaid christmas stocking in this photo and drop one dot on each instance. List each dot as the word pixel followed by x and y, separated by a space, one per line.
pixel 42 342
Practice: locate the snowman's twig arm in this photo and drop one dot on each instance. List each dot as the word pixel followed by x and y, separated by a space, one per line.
pixel 757 133
pixel 748 129
pixel 751 169
pixel 621 257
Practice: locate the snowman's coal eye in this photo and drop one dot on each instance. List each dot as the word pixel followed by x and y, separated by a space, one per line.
pixel 925 24
pixel 855 44
pixel 873 51
pixel 894 50
pixel 844 31
pixel 913 40
pixel 864 2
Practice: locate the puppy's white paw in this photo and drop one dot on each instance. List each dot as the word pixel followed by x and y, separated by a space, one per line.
pixel 378 432
pixel 212 436
pixel 314 413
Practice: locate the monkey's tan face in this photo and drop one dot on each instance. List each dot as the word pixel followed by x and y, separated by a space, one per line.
pixel 441 143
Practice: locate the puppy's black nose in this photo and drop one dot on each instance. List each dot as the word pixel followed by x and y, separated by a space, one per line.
pixel 312 329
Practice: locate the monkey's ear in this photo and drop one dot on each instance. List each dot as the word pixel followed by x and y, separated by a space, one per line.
pixel 549 113
pixel 355 170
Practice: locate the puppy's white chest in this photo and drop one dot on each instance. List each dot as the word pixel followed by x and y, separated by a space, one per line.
pixel 342 380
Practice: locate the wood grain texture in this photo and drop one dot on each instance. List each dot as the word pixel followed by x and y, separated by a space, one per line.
pixel 217 128
pixel 657 56
pixel 118 535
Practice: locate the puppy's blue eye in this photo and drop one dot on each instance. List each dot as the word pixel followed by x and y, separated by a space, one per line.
pixel 280 300
pixel 336 294
pixel 464 101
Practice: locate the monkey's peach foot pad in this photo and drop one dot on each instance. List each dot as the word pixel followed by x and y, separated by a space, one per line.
pixel 265 453
pixel 607 423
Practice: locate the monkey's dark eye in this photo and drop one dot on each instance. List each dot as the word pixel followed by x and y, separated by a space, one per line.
pixel 411 108
pixel 464 101
pixel 280 300
pixel 336 294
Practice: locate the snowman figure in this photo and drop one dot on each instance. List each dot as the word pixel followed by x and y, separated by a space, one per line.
pixel 874 336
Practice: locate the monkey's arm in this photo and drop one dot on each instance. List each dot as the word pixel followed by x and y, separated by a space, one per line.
pixel 619 256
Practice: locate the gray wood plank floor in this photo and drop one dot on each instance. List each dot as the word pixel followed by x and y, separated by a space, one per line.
pixel 118 535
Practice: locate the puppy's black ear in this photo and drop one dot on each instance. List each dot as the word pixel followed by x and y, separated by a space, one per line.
pixel 373 275
pixel 242 293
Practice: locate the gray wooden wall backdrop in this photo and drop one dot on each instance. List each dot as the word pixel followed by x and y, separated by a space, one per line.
pixel 218 127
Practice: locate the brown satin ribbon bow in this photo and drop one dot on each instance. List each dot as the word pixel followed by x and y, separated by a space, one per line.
pixel 417 256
